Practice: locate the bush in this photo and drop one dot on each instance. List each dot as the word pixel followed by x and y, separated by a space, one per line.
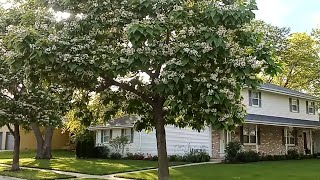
pixel 86 149
pixel 115 156
pixel 155 158
pixel 102 152
pixel 196 156
pixel 248 156
pixel 293 154
pixel 136 156
pixel 232 151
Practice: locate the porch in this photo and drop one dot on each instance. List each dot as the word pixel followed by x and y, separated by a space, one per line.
pixel 268 139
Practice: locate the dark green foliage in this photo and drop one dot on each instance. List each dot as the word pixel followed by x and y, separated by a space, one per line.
pixel 115 156
pixel 102 152
pixel 155 158
pixel 248 156
pixel 196 156
pixel 293 154
pixel 85 149
pixel 232 151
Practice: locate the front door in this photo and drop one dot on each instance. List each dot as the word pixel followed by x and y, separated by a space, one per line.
pixel 224 140
pixel 305 143
pixel 222 143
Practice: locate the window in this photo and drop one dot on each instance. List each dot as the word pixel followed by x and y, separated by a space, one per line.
pixel 254 98
pixel 310 107
pixel 106 135
pixel 128 133
pixel 249 135
pixel 294 104
pixel 290 137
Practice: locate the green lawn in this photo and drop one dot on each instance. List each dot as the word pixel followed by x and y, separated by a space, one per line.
pixel 282 170
pixel 32 174
pixel 66 161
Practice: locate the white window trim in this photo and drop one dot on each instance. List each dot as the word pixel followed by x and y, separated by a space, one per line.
pixel 103 136
pixel 127 133
pixel 288 136
pixel 310 106
pixel 296 104
pixel 250 144
pixel 252 98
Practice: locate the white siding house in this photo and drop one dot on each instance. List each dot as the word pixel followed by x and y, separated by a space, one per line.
pixel 179 141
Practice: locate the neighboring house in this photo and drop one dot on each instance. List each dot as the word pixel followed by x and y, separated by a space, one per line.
pixel 28 141
pixel 278 119
pixel 179 141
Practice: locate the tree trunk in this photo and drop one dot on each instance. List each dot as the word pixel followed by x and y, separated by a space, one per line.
pixel 163 164
pixel 43 144
pixel 16 152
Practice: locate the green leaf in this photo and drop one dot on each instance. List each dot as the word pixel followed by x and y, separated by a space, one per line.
pixel 208 99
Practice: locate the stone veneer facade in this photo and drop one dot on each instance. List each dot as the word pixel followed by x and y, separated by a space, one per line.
pixel 270 141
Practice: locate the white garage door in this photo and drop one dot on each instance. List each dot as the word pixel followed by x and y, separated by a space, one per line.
pixel 9 141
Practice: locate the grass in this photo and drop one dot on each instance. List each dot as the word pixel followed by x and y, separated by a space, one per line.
pixel 32 174
pixel 284 170
pixel 66 161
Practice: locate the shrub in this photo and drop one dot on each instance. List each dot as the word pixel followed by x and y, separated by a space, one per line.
pixel 138 156
pixel 115 156
pixel 232 151
pixel 86 149
pixel 248 156
pixel 293 154
pixel 196 156
pixel 119 143
pixel 155 158
pixel 102 152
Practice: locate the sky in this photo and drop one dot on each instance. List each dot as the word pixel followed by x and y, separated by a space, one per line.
pixel 299 15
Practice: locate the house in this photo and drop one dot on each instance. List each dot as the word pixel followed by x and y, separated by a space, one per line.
pixel 278 119
pixel 179 141
pixel 28 141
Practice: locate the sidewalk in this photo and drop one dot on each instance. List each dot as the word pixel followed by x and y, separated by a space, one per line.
pixel 110 177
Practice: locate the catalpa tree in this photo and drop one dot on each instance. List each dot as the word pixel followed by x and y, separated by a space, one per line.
pixel 172 62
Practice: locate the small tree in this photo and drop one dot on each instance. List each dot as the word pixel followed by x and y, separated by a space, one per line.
pixel 119 143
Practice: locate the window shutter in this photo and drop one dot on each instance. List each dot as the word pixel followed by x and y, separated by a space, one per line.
pixel 110 131
pixel 290 104
pixel 298 105
pixel 259 136
pixel 241 134
pixel 307 107
pixel 295 137
pixel 102 134
pixel 259 99
pixel 250 98
pixel 122 132
pixel 283 137
pixel 132 133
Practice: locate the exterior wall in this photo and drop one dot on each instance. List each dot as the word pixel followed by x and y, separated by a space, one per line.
pixel 28 142
pixel 4 131
pixel 274 104
pixel 271 141
pixel 179 141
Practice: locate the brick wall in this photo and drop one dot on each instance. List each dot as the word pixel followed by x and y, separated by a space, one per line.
pixel 271 141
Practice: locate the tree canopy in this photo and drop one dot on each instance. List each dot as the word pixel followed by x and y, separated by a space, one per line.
pixel 171 62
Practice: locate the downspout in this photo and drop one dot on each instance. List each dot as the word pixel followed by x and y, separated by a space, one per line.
pixel 257 144
pixel 311 144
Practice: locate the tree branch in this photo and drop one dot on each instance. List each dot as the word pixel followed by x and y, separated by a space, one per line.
pixel 10 129
pixel 109 82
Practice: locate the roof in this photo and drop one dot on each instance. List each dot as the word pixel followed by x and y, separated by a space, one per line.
pixel 281 121
pixel 125 121
pixel 282 90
